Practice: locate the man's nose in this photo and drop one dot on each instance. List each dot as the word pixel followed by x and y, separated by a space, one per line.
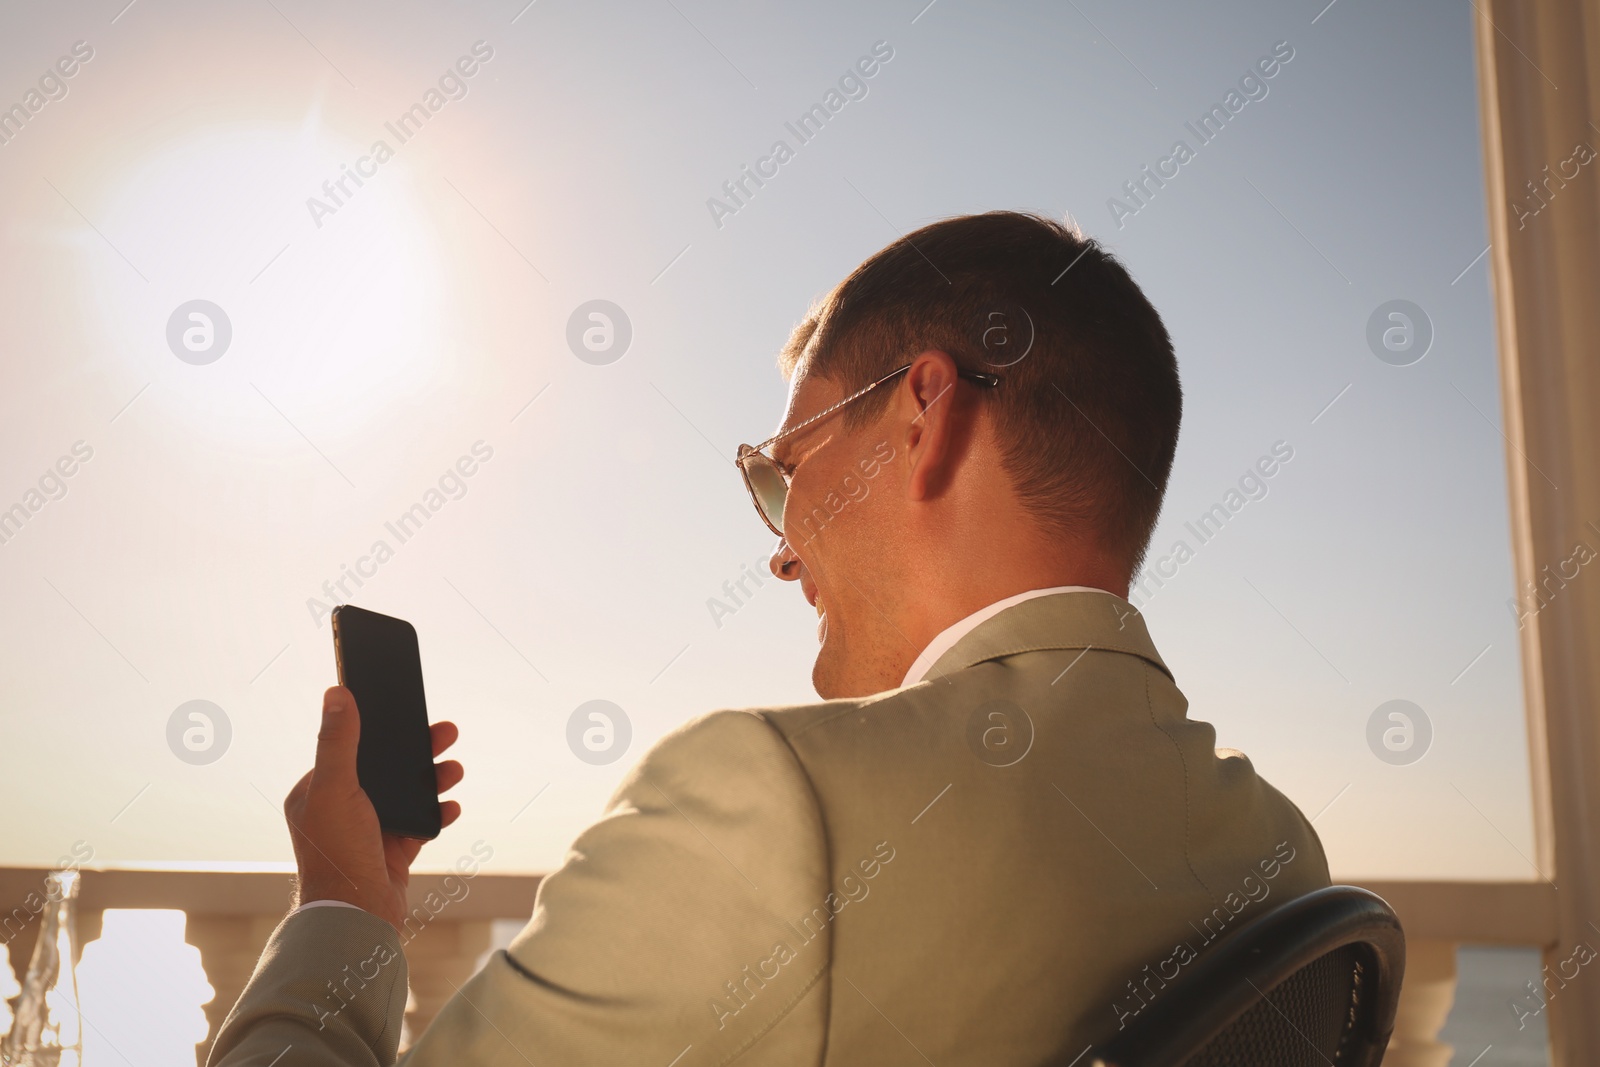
pixel 784 563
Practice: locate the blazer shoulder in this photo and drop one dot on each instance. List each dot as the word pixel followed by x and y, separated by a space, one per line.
pixel 664 908
pixel 740 744
pixel 791 721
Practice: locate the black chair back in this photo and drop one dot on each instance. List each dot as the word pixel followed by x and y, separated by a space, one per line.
pixel 1311 983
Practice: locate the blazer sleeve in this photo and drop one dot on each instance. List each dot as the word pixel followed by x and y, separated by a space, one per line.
pixel 671 934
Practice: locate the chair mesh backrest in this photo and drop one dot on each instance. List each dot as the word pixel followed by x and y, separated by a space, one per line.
pixel 1302 1022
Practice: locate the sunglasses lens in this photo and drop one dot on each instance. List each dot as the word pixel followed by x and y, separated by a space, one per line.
pixel 770 490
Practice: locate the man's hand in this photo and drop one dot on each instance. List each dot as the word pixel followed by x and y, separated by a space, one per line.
pixel 340 850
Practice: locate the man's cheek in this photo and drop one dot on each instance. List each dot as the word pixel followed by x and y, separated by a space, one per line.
pixel 803 516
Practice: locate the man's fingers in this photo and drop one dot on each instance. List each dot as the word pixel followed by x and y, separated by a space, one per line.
pixel 447 775
pixel 338 738
pixel 399 853
pixel 444 735
pixel 449 812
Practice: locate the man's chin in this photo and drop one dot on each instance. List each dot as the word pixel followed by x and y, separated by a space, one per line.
pixel 828 673
pixel 822 679
pixel 834 676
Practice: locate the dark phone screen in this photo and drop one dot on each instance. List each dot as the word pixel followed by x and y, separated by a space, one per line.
pixel 381 664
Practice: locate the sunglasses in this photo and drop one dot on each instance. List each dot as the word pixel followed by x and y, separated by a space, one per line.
pixel 768 480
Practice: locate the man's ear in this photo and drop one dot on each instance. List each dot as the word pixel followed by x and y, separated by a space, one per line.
pixel 927 397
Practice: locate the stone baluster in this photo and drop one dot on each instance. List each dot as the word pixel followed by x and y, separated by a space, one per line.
pixel 229 946
pixel 440 958
pixel 1425 1000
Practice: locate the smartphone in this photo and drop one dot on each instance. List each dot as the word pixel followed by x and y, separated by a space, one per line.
pixel 380 663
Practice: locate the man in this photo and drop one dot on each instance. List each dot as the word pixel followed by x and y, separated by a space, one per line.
pixel 995 841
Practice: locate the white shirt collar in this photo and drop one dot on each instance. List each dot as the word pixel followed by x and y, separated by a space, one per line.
pixel 947 637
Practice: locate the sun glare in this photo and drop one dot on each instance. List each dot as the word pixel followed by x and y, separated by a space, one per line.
pixel 325 312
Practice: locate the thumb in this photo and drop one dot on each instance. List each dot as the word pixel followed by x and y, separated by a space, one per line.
pixel 338 738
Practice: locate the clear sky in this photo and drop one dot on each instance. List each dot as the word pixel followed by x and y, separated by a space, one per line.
pixel 383 334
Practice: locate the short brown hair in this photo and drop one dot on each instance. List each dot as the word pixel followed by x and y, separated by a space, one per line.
pixel 1087 417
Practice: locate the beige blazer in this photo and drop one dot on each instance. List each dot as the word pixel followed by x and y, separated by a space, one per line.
pixel 999 864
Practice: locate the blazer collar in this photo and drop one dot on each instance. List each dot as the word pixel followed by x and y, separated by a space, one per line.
pixel 1097 619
